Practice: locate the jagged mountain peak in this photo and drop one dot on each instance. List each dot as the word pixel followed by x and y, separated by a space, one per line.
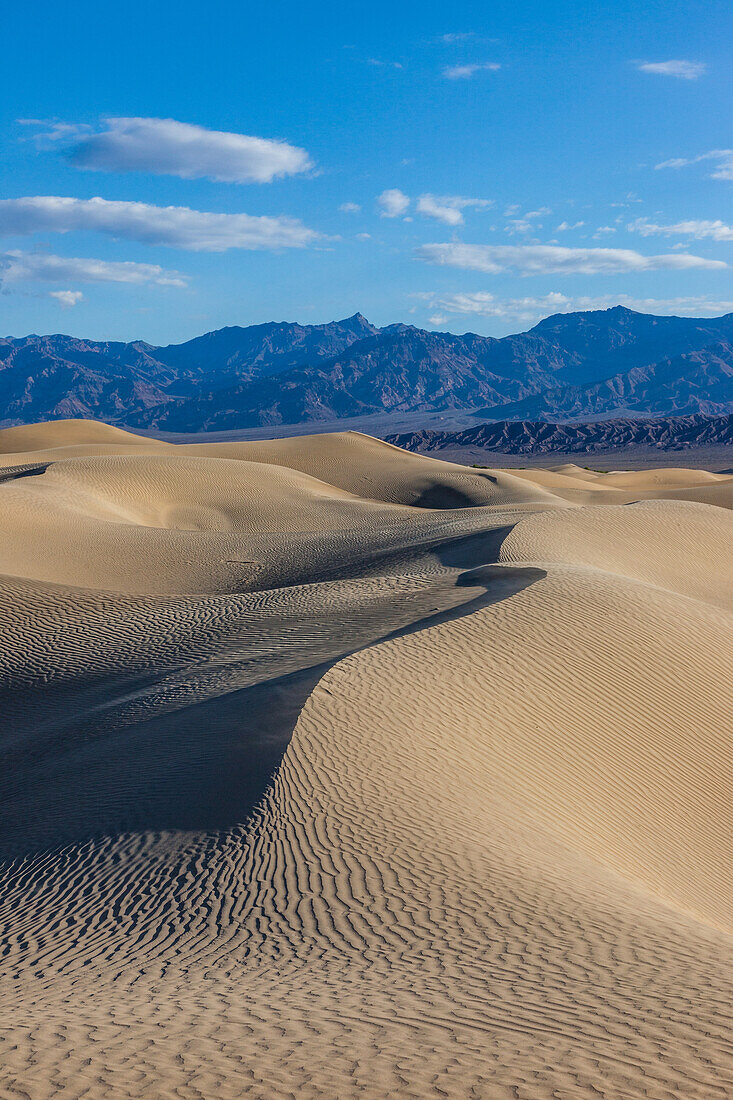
pixel 570 364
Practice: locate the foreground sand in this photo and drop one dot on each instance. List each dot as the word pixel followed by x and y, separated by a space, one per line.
pixel 331 770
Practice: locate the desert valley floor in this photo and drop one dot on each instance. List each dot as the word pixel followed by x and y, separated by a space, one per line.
pixel 331 770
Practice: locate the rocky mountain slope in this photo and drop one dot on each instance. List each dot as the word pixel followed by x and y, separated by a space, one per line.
pixel 567 367
pixel 699 381
pixel 528 437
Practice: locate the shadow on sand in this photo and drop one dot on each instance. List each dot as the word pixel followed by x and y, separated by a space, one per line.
pixel 206 765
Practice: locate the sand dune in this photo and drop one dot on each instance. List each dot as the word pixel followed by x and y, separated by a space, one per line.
pixel 583 486
pixel 671 544
pixel 337 771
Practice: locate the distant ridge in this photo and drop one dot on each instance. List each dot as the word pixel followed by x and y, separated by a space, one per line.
pixel 527 437
pixel 569 366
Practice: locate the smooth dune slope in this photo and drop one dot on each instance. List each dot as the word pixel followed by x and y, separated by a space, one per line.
pixel 583 486
pixel 676 545
pixel 374 469
pixel 335 771
pixel 68 433
pixel 158 523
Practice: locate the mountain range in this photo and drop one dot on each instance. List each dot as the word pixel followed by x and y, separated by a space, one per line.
pixel 568 367
pixel 528 437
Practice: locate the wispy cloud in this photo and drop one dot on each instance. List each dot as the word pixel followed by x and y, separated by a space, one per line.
pixel 455 37
pixel 448 208
pixel 67 298
pixel 629 200
pixel 172 226
pixel 551 259
pixel 465 72
pixel 393 203
pixel 715 230
pixel 724 171
pixel 563 227
pixel 164 146
pixel 17 266
pixel 524 224
pixel 532 309
pixel 683 70
pixel 349 208
pixel 379 64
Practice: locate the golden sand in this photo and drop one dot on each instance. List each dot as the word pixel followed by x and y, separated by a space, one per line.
pixel 337 771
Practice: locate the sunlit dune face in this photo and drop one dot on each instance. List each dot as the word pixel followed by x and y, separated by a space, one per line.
pixel 316 722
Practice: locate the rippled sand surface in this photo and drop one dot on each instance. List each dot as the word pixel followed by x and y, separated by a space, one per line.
pixel 331 770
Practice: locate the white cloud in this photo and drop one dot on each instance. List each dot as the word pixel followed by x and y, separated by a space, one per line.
pixel 350 208
pixel 547 259
pixel 678 162
pixel 465 72
pixel 724 171
pixel 630 198
pixel 58 133
pixel 518 225
pixel 563 227
pixel 384 64
pixel 604 231
pixel 715 230
pixel 683 70
pixel 44 266
pixel 483 304
pixel 437 320
pixel 533 309
pixel 172 226
pixel 447 208
pixel 164 146
pixel 67 298
pixel 393 203
pixel 524 224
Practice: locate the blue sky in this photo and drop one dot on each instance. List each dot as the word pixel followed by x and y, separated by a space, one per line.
pixel 168 169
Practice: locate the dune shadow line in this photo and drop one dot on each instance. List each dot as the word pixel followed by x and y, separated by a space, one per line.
pixel 204 767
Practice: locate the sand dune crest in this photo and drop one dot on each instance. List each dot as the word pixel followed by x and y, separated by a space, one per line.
pixel 332 770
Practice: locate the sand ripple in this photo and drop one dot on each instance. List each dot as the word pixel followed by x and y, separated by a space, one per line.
pixel 336 772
